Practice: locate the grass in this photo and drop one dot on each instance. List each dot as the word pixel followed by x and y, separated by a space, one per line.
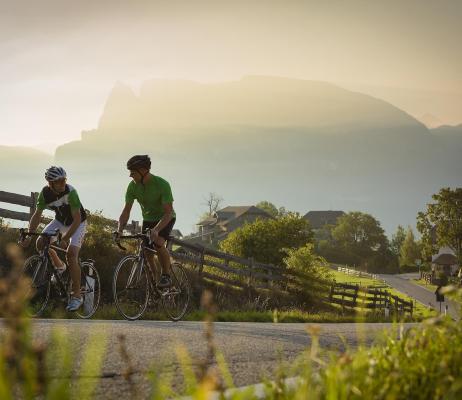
pixel 421 311
pixel 420 363
pixel 109 312
pixel 341 277
pixel 424 284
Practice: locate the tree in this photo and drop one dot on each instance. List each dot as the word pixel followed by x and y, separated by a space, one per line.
pixel 269 207
pixel 310 275
pixel 409 251
pixel 213 202
pixel 397 240
pixel 360 237
pixel 266 240
pixel 441 223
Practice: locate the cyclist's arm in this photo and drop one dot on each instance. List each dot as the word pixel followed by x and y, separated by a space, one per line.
pixel 75 224
pixel 35 220
pixel 124 216
pixel 166 218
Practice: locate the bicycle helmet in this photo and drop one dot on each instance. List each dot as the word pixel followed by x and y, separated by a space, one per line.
pixel 54 173
pixel 139 161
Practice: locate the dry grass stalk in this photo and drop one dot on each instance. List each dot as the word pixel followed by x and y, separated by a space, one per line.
pixel 129 369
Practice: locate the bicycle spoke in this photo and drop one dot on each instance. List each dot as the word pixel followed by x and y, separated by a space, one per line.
pixel 35 268
pixel 131 288
pixel 176 299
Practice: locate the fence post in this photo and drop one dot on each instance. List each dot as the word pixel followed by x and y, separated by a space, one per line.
pixel 250 272
pixel 355 298
pixel 201 265
pixel 33 198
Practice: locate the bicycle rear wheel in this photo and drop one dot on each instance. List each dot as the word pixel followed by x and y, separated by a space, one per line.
pixel 130 287
pixel 91 289
pixel 175 299
pixel 35 268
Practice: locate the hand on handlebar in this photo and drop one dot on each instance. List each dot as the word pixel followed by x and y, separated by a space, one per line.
pixel 24 240
pixel 116 236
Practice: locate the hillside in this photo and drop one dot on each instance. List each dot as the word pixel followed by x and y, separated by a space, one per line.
pixel 302 144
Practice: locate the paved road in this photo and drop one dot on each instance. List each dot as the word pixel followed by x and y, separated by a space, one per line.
pixel 403 283
pixel 251 349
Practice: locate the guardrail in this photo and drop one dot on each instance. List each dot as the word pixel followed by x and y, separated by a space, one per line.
pixel 369 297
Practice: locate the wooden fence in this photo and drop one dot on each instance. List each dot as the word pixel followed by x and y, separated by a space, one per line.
pixel 356 272
pixel 371 297
pixel 20 200
pixel 428 277
pixel 226 268
pixel 242 272
pixel 30 202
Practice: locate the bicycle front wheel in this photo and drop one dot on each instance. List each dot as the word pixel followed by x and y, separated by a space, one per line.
pixel 35 268
pixel 130 287
pixel 91 289
pixel 176 298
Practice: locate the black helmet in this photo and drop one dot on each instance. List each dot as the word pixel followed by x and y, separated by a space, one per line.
pixel 138 161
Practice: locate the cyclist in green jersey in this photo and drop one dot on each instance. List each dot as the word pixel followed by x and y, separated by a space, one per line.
pixel 154 195
pixel 70 219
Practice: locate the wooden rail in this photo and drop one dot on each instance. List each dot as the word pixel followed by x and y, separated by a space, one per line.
pixel 369 297
pixel 215 265
pixel 356 272
pixel 20 200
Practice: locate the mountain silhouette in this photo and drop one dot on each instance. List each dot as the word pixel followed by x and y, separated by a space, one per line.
pixel 303 144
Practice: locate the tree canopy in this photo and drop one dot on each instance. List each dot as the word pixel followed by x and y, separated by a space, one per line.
pixel 409 250
pixel 441 223
pixel 266 239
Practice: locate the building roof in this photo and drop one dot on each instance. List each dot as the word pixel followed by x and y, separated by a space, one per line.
pixel 318 219
pixel 231 212
pixel 239 210
pixel 445 259
pixel 176 233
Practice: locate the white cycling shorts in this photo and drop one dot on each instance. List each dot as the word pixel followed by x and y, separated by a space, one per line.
pixel 76 238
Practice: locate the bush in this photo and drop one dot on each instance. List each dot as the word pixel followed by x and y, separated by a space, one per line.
pixel 307 273
pixel 266 240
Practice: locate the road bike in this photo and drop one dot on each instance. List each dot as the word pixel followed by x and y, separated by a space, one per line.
pixel 134 283
pixel 47 284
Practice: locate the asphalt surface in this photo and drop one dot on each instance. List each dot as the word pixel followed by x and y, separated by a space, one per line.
pixel 251 350
pixel 404 284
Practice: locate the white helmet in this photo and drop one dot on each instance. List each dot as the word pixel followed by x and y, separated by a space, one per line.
pixel 54 173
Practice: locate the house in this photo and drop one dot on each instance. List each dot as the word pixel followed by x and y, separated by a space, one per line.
pixel 217 227
pixel 445 261
pixel 319 219
pixel 176 233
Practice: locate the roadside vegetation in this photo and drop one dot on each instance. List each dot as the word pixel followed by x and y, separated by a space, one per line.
pixel 422 362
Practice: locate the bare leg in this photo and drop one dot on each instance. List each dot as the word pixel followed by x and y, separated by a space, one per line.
pixel 164 258
pixel 55 260
pixel 74 268
pixel 152 263
pixel 162 255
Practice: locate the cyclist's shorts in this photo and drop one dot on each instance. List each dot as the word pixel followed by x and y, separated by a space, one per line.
pixel 76 238
pixel 164 233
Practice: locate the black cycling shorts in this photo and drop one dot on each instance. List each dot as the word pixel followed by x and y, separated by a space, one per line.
pixel 164 233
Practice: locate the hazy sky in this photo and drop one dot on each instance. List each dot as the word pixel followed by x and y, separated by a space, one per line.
pixel 59 59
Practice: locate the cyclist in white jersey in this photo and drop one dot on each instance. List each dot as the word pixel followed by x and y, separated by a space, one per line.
pixel 70 219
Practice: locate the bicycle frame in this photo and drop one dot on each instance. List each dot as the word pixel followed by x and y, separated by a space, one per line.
pixel 136 272
pixel 45 257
